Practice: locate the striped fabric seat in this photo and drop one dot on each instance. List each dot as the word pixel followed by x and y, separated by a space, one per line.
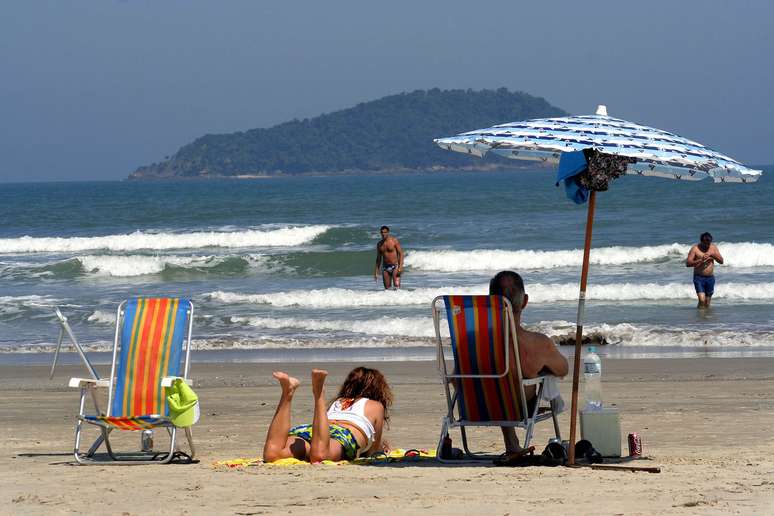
pixel 477 335
pixel 129 423
pixel 152 337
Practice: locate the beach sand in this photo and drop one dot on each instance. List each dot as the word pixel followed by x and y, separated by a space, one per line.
pixel 706 422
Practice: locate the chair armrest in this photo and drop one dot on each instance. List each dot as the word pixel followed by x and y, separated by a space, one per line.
pixel 167 381
pixel 77 383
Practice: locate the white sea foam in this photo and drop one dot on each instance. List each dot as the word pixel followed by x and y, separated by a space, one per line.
pixel 139 265
pixel 626 334
pixel 396 333
pixel 404 326
pixel 100 317
pixel 742 254
pixel 546 293
pixel 343 298
pixel 538 293
pixel 281 237
pixel 16 305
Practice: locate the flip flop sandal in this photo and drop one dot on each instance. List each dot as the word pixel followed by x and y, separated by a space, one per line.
pixel 585 450
pixel 518 458
pixel 555 454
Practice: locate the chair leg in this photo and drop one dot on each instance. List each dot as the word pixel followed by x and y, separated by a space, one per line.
pixel 96 444
pixel 77 447
pixel 189 436
pixel 465 442
pixel 528 435
pixel 556 421
pixel 444 432
pixel 171 455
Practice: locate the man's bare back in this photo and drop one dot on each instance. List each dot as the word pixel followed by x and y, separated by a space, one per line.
pixel 538 354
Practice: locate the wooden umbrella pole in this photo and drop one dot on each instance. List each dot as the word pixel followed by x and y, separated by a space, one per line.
pixel 579 326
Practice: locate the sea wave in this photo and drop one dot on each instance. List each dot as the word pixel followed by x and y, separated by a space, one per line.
pixel 398 333
pixel 102 317
pixel 340 297
pixel 290 236
pixel 740 254
pixel 138 265
pixel 626 334
pixel 404 326
pixel 28 307
pixel 538 293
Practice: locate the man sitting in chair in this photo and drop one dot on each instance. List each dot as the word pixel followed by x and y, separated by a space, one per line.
pixel 537 353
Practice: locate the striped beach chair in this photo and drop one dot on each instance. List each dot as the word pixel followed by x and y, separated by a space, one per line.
pixel 485 386
pixel 151 350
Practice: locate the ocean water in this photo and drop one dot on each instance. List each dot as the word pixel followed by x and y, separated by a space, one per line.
pixel 281 269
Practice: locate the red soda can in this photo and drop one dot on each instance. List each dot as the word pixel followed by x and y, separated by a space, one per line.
pixel 635 445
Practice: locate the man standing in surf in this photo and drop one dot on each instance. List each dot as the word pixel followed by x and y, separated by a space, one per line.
pixel 702 258
pixel 389 258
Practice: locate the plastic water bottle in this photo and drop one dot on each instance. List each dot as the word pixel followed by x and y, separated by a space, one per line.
pixel 592 380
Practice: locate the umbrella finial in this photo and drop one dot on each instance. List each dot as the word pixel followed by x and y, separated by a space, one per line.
pixel 602 110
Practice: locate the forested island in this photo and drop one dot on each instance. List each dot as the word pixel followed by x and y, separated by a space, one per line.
pixel 389 134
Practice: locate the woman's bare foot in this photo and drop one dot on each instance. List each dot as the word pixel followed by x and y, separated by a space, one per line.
pixel 288 383
pixel 318 381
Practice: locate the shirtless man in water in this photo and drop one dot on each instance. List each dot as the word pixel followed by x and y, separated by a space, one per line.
pixel 537 353
pixel 389 258
pixel 702 258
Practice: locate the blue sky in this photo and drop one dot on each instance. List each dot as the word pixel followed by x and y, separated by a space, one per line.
pixel 91 90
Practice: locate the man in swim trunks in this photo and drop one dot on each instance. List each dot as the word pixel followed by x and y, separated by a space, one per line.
pixel 537 353
pixel 389 258
pixel 702 258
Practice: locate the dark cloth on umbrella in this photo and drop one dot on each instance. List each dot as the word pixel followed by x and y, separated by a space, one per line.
pixel 603 168
pixel 589 170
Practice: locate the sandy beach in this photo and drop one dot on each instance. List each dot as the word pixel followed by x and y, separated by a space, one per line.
pixel 706 422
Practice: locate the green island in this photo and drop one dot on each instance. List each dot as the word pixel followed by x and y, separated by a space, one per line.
pixel 394 133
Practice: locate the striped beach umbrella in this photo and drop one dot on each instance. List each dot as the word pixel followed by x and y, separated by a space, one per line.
pixel 657 153
pixel 590 151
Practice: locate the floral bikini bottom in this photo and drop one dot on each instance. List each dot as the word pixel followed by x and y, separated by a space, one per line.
pixel 338 433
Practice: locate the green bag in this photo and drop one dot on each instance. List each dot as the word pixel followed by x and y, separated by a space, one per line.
pixel 183 404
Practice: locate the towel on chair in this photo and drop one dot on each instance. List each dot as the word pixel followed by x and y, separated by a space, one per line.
pixel 551 393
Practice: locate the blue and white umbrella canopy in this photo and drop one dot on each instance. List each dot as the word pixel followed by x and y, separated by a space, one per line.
pixel 658 153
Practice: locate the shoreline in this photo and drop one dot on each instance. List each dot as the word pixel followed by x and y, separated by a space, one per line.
pixel 409 354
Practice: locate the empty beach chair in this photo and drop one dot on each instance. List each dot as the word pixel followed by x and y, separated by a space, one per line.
pixel 151 351
pixel 485 386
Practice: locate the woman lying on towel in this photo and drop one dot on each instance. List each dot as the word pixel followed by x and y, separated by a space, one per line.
pixel 351 427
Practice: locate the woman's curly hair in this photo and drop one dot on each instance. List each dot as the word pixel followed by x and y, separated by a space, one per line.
pixel 364 382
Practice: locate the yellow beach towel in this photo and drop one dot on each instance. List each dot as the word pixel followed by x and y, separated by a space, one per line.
pixel 397 455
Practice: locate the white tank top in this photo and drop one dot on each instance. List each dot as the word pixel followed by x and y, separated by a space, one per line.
pixel 355 414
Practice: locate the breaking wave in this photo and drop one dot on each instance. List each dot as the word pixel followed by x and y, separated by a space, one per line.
pixel 404 326
pixel 406 332
pixel 538 293
pixel 342 298
pixel 140 240
pixel 625 334
pixel 743 254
